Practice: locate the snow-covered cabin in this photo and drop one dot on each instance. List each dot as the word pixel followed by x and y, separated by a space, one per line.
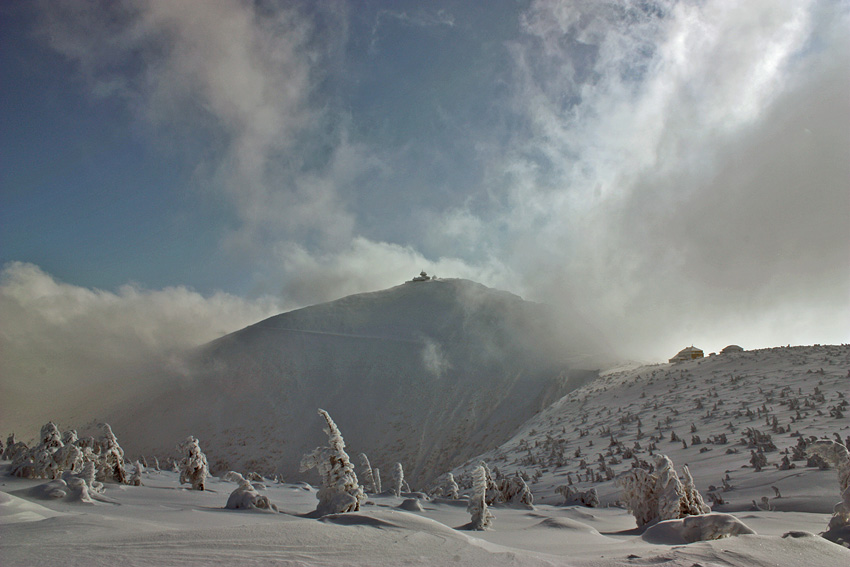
pixel 422 277
pixel 731 348
pixel 688 353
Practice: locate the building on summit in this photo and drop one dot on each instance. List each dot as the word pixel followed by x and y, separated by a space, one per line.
pixel 689 353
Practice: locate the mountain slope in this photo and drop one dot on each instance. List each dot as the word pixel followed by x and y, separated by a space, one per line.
pixel 787 393
pixel 425 373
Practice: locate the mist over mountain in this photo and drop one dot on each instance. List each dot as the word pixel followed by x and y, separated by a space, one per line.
pixel 426 373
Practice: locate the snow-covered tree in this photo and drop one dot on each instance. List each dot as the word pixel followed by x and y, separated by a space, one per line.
pixel 450 487
pixel 38 462
pixel 368 477
pixel 89 475
pixel 515 491
pixel 111 460
pixel 669 489
pixel 193 467
pixel 15 449
pixel 398 479
pixel 692 503
pixel 10 442
pixel 340 490
pixel 69 457
pixel 492 494
pixel 477 507
pixel 376 476
pixel 136 479
pixel 652 497
pixel 246 497
pixel 70 437
pixel 838 456
pixel 590 498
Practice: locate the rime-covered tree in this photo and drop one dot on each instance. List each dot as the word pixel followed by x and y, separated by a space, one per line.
pixel 692 503
pixel 376 476
pixel 10 442
pixel 477 507
pixel 111 460
pixel 38 462
pixel 492 494
pixel 368 477
pixel 669 489
pixel 193 467
pixel 450 488
pixel 340 490
pixel 136 479
pixel 69 457
pixel 14 449
pixel 515 491
pixel 398 479
pixel 89 475
pixel 652 497
pixel 838 456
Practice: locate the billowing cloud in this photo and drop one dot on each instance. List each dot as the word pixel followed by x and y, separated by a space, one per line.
pixel 366 265
pixel 681 177
pixel 675 171
pixel 70 349
pixel 233 85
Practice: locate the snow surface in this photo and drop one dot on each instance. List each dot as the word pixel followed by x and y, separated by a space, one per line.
pixel 162 523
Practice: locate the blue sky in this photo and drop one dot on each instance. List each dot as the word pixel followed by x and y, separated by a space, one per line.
pixel 665 172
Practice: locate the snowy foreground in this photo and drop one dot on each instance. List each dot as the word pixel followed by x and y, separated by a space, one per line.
pixel 161 523
pixel 737 421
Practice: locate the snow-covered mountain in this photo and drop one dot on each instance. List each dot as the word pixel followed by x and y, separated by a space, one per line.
pixel 710 414
pixel 426 373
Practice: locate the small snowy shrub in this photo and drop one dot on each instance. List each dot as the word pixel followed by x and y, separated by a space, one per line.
pixel 690 529
pixel 477 507
pixel 340 490
pixel 193 467
pixel 398 479
pixel 246 497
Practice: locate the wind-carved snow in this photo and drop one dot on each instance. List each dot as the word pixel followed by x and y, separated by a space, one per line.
pixel 425 373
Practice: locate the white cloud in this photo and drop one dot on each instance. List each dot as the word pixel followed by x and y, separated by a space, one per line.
pixel 671 169
pixel 71 349
pixel 365 265
pixel 682 174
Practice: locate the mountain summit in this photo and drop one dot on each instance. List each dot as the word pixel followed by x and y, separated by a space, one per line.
pixel 427 373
